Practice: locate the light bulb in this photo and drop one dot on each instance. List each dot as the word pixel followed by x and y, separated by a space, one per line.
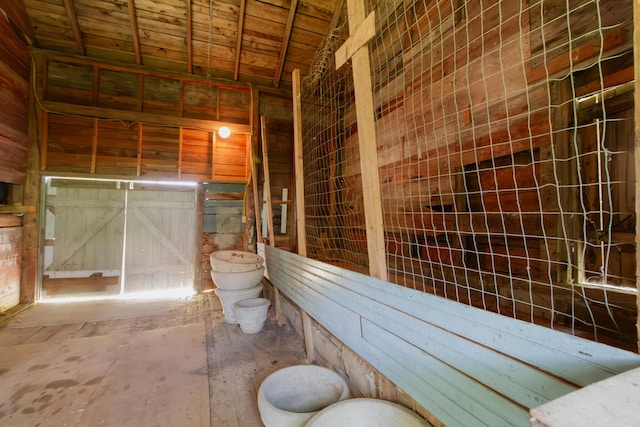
pixel 224 132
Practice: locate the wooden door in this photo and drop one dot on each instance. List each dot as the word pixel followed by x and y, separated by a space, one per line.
pixel 84 230
pixel 160 238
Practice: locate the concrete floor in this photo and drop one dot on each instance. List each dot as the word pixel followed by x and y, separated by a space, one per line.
pixel 172 362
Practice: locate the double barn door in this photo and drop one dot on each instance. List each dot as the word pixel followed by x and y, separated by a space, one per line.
pixel 117 237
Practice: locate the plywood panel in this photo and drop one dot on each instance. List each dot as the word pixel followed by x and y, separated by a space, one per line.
pixel 10 263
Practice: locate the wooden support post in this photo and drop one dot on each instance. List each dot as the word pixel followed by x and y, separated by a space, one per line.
pixel 44 139
pixel 267 181
pixel 31 196
pixel 298 170
pixel 214 141
pixel 139 160
pixel 360 32
pixel 256 196
pixel 636 147
pixel 197 264
pixel 246 241
pixel 189 38
pixel 298 164
pixel 96 85
pixel 253 155
pixel 180 151
pixel 267 191
pixel 94 148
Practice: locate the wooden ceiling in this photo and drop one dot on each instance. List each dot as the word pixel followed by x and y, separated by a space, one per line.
pixel 254 41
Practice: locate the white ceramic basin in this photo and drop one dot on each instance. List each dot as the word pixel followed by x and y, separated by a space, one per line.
pixel 366 412
pixel 233 281
pixel 251 314
pixel 290 396
pixel 235 261
pixel 229 297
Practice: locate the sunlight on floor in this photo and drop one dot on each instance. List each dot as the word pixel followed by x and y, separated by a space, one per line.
pixel 149 295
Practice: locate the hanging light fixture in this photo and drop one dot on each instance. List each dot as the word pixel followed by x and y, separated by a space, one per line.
pixel 224 132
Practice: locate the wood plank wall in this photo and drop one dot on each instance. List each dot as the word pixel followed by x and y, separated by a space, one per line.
pixel 279 134
pixel 464 173
pixel 14 80
pixel 112 120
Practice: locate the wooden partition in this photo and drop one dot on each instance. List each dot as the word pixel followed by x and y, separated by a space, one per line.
pixel 464 365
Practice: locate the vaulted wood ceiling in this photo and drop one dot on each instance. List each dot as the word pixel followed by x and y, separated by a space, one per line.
pixel 257 41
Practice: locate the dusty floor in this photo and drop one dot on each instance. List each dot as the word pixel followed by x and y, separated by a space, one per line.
pixel 136 363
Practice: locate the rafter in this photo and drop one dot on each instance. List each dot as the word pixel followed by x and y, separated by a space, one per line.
pixel 190 38
pixel 285 42
pixel 73 20
pixel 236 71
pixel 134 31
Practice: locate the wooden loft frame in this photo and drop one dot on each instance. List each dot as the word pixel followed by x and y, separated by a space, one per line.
pixel 92 109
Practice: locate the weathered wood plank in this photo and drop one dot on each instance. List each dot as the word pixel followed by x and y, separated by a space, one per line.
pixel 552 363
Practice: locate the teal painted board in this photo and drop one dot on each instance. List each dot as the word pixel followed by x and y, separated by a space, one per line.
pixel 223 203
pixel 573 359
pixel 472 395
pixel 224 187
pixel 463 392
pixel 492 368
pixel 522 383
pixel 494 375
pixel 345 322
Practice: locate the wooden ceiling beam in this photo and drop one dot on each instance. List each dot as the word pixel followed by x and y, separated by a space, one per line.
pixel 190 38
pixel 236 71
pixel 134 31
pixel 73 20
pixel 141 117
pixel 285 42
pixel 131 68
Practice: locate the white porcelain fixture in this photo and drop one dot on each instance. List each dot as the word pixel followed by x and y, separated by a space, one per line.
pixel 230 297
pixel 238 279
pixel 290 396
pixel 251 314
pixel 365 412
pixel 235 261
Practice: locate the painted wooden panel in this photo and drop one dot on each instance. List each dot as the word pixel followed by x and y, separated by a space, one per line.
pixel 465 365
pixel 160 239
pixel 83 237
pixel 10 264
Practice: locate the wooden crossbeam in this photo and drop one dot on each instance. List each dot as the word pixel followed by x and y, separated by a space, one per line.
pixel 189 37
pixel 285 42
pixel 134 31
pixel 363 33
pixel 356 50
pixel 243 5
pixel 73 20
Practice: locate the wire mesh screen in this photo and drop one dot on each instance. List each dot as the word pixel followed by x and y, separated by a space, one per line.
pixel 506 161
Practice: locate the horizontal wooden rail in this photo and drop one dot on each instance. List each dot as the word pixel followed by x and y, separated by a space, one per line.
pixel 465 365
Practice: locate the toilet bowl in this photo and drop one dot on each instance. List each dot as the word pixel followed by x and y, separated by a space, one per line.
pixel 251 314
pixel 237 280
pixel 230 297
pixel 290 396
pixel 365 412
pixel 235 261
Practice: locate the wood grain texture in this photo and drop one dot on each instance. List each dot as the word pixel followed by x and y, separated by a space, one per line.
pixel 464 365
